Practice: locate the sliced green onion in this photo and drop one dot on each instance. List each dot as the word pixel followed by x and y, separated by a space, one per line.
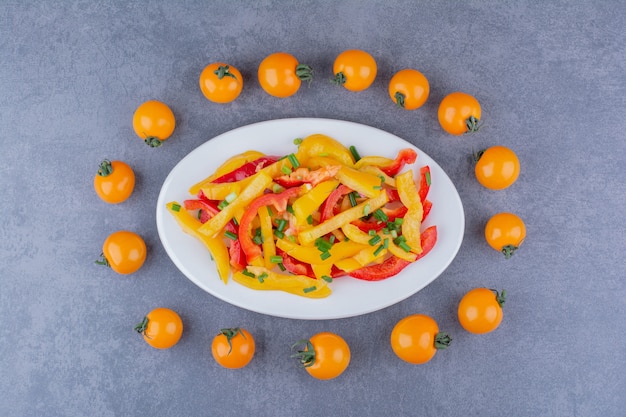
pixel 309 289
pixel 222 204
pixel 371 232
pixel 380 215
pixel 377 187
pixel 291 238
pixel 373 241
pixel 269 211
pixel 352 199
pixel 282 223
pixel 394 234
pixel 277 188
pixel 290 209
pixel 282 267
pixel 230 197
pixel 309 219
pixel 327 278
pixel 322 244
pixel 175 207
pixel 366 210
pixel 286 170
pixel 325 255
pixel 199 215
pixel 262 277
pixel 248 273
pixel 293 160
pixel 235 222
pixel 379 250
pixel 332 239
pixel 428 177
pixel 404 247
pixel 386 243
pixel 279 234
pixel 276 259
pixel 230 235
pixel 297 141
pixel 382 179
pixel 398 220
pixel 355 153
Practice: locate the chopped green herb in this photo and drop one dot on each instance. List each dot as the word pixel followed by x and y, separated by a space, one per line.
pixel 309 289
pixel 276 259
pixel 428 177
pixel 404 247
pixel 279 234
pixel 309 219
pixel 377 187
pixel 352 199
pixel 371 232
pixel 380 215
pixel 373 241
pixel 286 170
pixel 282 267
pixel 290 209
pixel 175 207
pixel 293 160
pixel 230 235
pixel 235 222
pixel 277 188
pixel 325 255
pixel 269 211
pixel 282 223
pixel 386 243
pixel 398 220
pixel 230 197
pixel 222 204
pixel 297 141
pixel 366 210
pixel 248 273
pixel 327 278
pixel 262 277
pixel 355 153
pixel 379 250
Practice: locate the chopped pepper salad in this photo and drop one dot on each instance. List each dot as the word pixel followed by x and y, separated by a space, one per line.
pixel 295 223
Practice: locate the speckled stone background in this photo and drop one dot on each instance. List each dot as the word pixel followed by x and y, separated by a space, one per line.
pixel 551 77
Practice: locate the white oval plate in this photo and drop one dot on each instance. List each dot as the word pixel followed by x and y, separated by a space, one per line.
pixel 350 297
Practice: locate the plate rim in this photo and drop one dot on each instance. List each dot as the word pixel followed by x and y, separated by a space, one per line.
pixel 160 211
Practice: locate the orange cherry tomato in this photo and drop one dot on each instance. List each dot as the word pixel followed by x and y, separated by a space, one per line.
pixel 480 310
pixel 233 348
pixel 325 356
pixel 354 69
pixel 154 122
pixel 409 89
pixel 505 232
pixel 496 167
pixel 280 74
pixel 124 252
pixel 114 181
pixel 415 339
pixel 459 113
pixel 161 328
pixel 221 83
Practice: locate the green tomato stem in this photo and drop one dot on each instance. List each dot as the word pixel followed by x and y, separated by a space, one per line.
pixel 442 340
pixel 339 79
pixel 306 357
pixel 473 125
pixel 500 296
pixel 508 251
pixel 399 99
pixel 153 141
pixel 106 168
pixel 223 71
pixel 304 73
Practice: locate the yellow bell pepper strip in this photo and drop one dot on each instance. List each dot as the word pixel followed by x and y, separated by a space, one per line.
pixel 390 166
pixel 269 247
pixel 216 246
pixel 230 165
pixel 254 189
pixel 260 278
pixel 279 202
pixel 317 162
pixel 348 265
pixel 413 218
pixel 362 209
pixel 312 255
pixel 366 184
pixel 355 234
pixel 374 170
pixel 304 206
pixel 322 270
pixel 370 254
pixel 322 145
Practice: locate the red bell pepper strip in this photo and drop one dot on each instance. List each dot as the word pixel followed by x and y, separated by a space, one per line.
pixel 394 265
pixel 294 266
pixel 246 170
pixel 426 206
pixel 327 208
pixel 279 201
pixel 424 182
pixel 374 224
pixel 208 209
pixel 304 175
pixel 405 156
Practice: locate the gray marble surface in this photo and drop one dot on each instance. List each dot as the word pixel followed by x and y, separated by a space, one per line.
pixel 551 80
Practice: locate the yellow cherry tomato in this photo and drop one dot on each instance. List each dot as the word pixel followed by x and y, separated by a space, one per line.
pixel 280 74
pixel 505 232
pixel 496 167
pixel 415 339
pixel 161 328
pixel 124 252
pixel 221 83
pixel 154 122
pixel 114 181
pixel 233 348
pixel 325 356
pixel 354 69
pixel 459 113
pixel 480 310
pixel 409 89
